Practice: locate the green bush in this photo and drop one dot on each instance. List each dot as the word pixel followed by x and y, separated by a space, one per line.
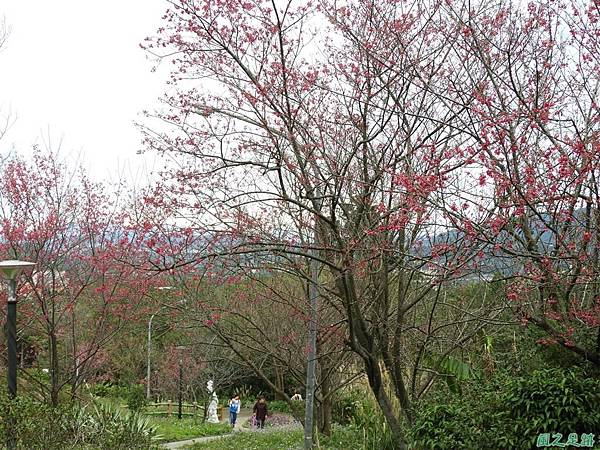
pixel 345 406
pixel 279 406
pixel 100 390
pixel 450 426
pixel 110 390
pixel 358 411
pixel 136 397
pixel 510 412
pixel 552 400
pixel 38 425
pixel 108 428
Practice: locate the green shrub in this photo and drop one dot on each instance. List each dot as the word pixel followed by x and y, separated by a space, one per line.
pixel 279 406
pixel 358 411
pixel 553 400
pixel 346 404
pixel 38 425
pixel 108 428
pixel 100 390
pixel 449 426
pixel 136 397
pixel 510 412
pixel 110 390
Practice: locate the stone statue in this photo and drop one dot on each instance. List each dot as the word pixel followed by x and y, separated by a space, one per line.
pixel 212 407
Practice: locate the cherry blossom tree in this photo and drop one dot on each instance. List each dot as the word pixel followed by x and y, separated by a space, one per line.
pixel 84 288
pixel 533 161
pixel 292 144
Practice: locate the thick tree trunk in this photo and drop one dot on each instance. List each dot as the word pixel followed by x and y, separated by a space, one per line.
pixel 361 341
pixel 326 417
pixel 394 363
pixel 376 382
pixel 54 383
pixel 325 405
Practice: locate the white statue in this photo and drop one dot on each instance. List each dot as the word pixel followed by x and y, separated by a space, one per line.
pixel 212 407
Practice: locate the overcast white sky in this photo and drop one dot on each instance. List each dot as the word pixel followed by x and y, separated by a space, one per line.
pixel 73 69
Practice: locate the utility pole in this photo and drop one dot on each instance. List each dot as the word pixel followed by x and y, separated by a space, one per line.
pixel 313 294
pixel 149 358
pixel 148 364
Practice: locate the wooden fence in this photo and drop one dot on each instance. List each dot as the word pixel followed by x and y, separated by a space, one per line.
pixel 169 408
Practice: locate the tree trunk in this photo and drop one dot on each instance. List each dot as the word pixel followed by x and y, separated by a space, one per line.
pixel 361 341
pixel 75 374
pixel 279 383
pixel 325 416
pixel 325 397
pixel 54 383
pixel 376 382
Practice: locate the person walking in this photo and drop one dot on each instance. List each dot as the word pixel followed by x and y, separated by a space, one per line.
pixel 234 408
pixel 261 411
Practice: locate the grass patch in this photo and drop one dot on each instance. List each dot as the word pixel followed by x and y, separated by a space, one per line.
pixel 172 429
pixel 281 440
pixel 342 438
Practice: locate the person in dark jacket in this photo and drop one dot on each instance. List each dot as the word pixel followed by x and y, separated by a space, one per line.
pixel 261 411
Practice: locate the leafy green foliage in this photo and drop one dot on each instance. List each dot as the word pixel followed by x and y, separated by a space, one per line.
pixel 358 410
pixel 455 372
pixel 445 426
pixel 39 425
pixel 509 412
pixel 113 429
pixel 136 397
pixel 109 390
pixel 555 400
pixel 279 406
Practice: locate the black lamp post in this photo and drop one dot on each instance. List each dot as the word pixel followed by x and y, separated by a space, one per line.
pixel 11 269
pixel 181 348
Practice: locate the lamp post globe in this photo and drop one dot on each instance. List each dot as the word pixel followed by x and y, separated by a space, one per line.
pixel 11 268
